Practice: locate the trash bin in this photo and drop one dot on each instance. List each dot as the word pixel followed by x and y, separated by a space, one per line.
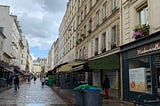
pixel 87 95
pixel 50 83
pixel 79 98
pixel 92 97
pixel 2 82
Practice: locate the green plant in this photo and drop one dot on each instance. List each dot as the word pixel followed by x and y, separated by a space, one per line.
pixel 113 45
pixel 140 31
pixel 96 52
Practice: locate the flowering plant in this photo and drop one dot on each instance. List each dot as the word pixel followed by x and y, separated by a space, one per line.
pixel 137 32
pixel 140 31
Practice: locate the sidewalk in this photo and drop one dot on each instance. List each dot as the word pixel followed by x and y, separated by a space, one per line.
pixel 2 89
pixel 68 95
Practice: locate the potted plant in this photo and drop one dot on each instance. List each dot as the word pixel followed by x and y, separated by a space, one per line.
pixel 113 45
pixel 137 32
pixel 140 31
pixel 96 52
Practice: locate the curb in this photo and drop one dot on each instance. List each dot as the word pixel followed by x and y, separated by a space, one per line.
pixel 66 99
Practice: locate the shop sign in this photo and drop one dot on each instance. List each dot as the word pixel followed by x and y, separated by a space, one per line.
pixel 148 48
pixel 137 79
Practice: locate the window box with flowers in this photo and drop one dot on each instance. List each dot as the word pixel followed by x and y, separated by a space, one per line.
pixel 140 31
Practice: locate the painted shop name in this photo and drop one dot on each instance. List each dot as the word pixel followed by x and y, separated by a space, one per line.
pixel 148 48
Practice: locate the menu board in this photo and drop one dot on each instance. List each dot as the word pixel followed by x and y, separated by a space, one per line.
pixel 137 79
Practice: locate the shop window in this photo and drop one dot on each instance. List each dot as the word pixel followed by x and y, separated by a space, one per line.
pixel 140 75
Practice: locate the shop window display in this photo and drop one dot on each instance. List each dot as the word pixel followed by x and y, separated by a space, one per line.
pixel 140 75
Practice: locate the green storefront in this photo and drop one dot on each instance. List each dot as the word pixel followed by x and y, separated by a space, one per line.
pixel 110 65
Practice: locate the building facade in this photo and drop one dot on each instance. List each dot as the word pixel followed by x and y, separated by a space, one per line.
pixel 50 59
pixel 15 47
pixel 90 30
pixel 140 50
pixel 2 38
pixel 6 22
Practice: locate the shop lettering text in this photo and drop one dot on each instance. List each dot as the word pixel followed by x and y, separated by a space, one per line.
pixel 149 48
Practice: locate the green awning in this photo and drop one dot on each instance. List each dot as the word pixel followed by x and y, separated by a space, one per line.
pixel 111 62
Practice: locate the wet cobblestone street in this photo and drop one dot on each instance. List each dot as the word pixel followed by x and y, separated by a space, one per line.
pixel 32 94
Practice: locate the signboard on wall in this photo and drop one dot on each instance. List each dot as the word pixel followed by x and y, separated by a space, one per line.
pixel 137 79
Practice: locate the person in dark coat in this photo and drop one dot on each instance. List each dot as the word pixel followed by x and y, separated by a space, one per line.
pixel 106 86
pixel 16 83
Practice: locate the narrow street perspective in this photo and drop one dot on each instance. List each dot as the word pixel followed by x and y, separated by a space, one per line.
pixel 31 94
pixel 80 52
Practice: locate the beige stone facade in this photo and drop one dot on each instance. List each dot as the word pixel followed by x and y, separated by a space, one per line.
pixel 15 46
pixel 131 17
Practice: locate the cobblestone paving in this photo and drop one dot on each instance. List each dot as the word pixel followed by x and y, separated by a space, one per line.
pixel 31 94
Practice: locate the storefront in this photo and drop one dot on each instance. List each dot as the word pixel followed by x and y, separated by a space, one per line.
pixel 141 69
pixel 107 65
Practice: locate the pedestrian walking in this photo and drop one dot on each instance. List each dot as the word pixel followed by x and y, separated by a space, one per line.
pixel 106 86
pixel 35 78
pixel 16 83
pixel 42 80
pixel 29 79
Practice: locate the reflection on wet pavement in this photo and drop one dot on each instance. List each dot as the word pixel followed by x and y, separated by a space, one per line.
pixel 35 105
pixel 31 94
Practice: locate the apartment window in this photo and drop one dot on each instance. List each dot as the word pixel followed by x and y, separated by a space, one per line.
pixel 83 53
pixel 85 30
pixel 90 4
pixel 85 10
pixel 114 37
pixel 97 14
pixel 78 20
pixel 96 46
pixel 105 10
pixel 143 16
pixel 73 41
pixel 1 45
pixel 79 3
pixel 81 15
pixel 90 24
pixel 115 4
pixel 103 42
pixel 80 53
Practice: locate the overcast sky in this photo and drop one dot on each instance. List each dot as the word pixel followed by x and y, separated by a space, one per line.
pixel 39 21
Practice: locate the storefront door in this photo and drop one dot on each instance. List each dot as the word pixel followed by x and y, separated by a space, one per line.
pixel 157 76
pixel 156 62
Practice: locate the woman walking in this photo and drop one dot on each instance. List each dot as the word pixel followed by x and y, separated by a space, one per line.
pixel 106 86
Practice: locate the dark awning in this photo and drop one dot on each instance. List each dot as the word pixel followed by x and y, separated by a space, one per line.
pixel 111 62
pixel 79 68
pixel 6 69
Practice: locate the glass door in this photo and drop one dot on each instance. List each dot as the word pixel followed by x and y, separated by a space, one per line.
pixel 157 69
